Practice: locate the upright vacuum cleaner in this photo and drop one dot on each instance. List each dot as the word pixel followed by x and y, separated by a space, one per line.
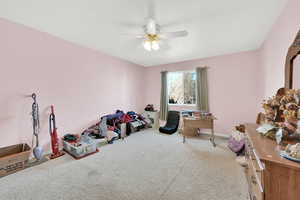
pixel 54 139
pixel 37 150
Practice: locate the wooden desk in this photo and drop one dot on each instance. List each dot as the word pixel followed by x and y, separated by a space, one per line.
pixel 191 124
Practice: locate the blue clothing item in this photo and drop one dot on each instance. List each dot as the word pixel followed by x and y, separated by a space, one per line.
pixel 118 115
pixel 131 113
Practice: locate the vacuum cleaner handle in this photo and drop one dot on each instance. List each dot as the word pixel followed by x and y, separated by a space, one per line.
pixel 52 124
pixel 52 109
pixel 35 115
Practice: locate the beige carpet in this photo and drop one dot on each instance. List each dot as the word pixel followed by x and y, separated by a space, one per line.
pixel 145 166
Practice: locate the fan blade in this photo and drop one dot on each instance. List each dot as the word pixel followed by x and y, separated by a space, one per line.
pixel 132 35
pixel 164 45
pixel 140 36
pixel 173 34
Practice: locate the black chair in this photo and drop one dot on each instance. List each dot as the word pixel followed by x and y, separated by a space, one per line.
pixel 172 123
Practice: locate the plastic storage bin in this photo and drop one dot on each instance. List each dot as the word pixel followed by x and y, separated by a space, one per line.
pixel 80 151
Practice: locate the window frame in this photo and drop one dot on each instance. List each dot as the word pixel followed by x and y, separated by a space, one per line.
pixel 188 105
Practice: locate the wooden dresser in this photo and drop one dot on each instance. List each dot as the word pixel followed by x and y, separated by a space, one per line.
pixel 269 176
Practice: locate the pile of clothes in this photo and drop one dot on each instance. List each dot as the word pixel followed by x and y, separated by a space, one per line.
pixel 118 125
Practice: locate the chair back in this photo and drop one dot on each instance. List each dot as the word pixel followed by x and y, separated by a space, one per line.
pixel 173 119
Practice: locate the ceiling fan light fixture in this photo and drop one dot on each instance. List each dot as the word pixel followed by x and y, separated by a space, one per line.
pixel 148 45
pixel 151 43
pixel 155 45
pixel 153 38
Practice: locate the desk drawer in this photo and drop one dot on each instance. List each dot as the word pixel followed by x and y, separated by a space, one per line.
pixel 190 132
pixel 206 124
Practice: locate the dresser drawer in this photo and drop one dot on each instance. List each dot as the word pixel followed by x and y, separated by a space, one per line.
pixel 255 194
pixel 254 173
pixel 256 190
pixel 252 155
pixel 254 187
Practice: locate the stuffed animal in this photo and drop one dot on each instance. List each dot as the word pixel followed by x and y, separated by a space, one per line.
pixel 241 128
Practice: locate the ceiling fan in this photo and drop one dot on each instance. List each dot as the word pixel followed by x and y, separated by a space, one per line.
pixel 152 35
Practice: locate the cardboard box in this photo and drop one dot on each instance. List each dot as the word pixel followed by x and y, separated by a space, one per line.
pixel 13 158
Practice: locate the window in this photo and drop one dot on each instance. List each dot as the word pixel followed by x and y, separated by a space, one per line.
pixel 182 87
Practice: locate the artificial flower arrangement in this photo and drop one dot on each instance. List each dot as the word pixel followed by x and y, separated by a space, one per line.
pixel 281 117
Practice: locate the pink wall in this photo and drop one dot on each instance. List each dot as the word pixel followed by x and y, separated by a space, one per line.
pixel 82 83
pixel 274 50
pixel 234 87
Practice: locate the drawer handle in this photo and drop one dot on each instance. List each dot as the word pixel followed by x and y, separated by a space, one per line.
pixel 260 164
pixel 253 179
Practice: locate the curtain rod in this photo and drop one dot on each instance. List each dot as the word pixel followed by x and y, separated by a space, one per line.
pixel 187 70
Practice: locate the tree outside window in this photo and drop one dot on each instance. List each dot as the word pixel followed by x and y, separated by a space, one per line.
pixel 182 87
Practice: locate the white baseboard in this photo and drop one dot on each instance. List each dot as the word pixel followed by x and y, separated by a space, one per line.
pixel 222 135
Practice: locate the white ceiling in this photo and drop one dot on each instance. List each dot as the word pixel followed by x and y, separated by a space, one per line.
pixel 215 27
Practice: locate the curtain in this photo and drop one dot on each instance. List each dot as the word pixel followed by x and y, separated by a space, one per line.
pixel 202 89
pixel 164 96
